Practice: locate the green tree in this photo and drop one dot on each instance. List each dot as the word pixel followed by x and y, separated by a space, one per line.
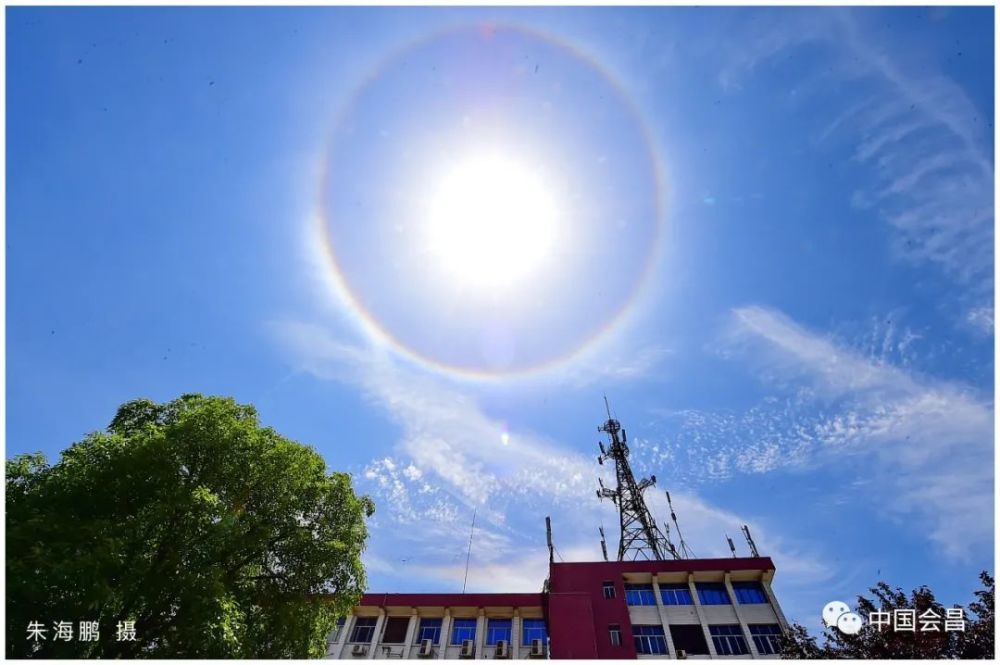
pixel 216 536
pixel 976 641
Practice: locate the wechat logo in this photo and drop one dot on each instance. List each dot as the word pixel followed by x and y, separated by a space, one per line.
pixel 838 615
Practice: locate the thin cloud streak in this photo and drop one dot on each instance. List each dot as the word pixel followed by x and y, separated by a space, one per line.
pixel 419 483
pixel 916 130
pixel 931 441
pixel 445 432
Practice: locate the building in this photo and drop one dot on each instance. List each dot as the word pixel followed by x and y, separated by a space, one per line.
pixel 656 600
pixel 689 608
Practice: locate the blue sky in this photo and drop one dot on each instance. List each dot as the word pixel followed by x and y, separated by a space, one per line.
pixel 771 246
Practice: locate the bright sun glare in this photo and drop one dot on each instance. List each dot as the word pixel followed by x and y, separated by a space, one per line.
pixel 492 222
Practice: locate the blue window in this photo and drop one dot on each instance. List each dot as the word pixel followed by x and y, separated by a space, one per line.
pixel 675 594
pixel 749 593
pixel 430 629
pixel 766 637
pixel 533 629
pixel 639 594
pixel 463 629
pixel 729 640
pixel 649 639
pixel 364 629
pixel 712 593
pixel 496 630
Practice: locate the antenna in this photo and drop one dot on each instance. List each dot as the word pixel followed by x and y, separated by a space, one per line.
pixel 548 537
pixel 685 550
pixel 732 548
pixel 753 546
pixel 670 545
pixel 469 553
pixel 640 537
pixel 604 545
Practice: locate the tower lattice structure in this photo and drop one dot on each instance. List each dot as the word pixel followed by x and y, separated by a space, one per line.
pixel 640 537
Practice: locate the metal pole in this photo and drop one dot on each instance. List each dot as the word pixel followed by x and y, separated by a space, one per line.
pixel 469 553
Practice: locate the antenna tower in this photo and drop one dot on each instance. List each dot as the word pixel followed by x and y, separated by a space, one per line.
pixel 686 552
pixel 753 546
pixel 548 538
pixel 604 544
pixel 669 543
pixel 640 537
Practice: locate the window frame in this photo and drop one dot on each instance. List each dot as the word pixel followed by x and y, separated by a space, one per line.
pixel 615 634
pixel 712 588
pixel 648 635
pixel 750 593
pixel 338 630
pixel 436 624
pixel 727 637
pixel 609 590
pixel 395 620
pixel 640 592
pixel 535 626
pixel 369 627
pixel 673 590
pixel 466 624
pixel 690 638
pixel 767 643
pixel 491 639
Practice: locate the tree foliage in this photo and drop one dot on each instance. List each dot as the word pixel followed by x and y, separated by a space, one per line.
pixel 218 537
pixel 976 641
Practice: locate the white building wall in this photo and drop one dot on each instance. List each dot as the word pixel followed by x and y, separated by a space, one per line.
pixel 376 649
pixel 714 614
pixel 759 613
pixel 641 615
pixel 681 614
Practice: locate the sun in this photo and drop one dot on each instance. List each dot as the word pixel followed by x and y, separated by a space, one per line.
pixel 491 223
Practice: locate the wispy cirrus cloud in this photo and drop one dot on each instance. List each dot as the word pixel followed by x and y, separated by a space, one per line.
pixel 427 502
pixel 981 319
pixel 610 364
pixel 928 443
pixel 446 436
pixel 921 137
pixel 932 440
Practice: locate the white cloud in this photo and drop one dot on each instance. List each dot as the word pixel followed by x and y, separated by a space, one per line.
pixel 444 429
pixel 610 364
pixel 836 369
pixel 981 319
pixel 930 441
pixel 921 136
pixel 520 572
pixel 447 438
